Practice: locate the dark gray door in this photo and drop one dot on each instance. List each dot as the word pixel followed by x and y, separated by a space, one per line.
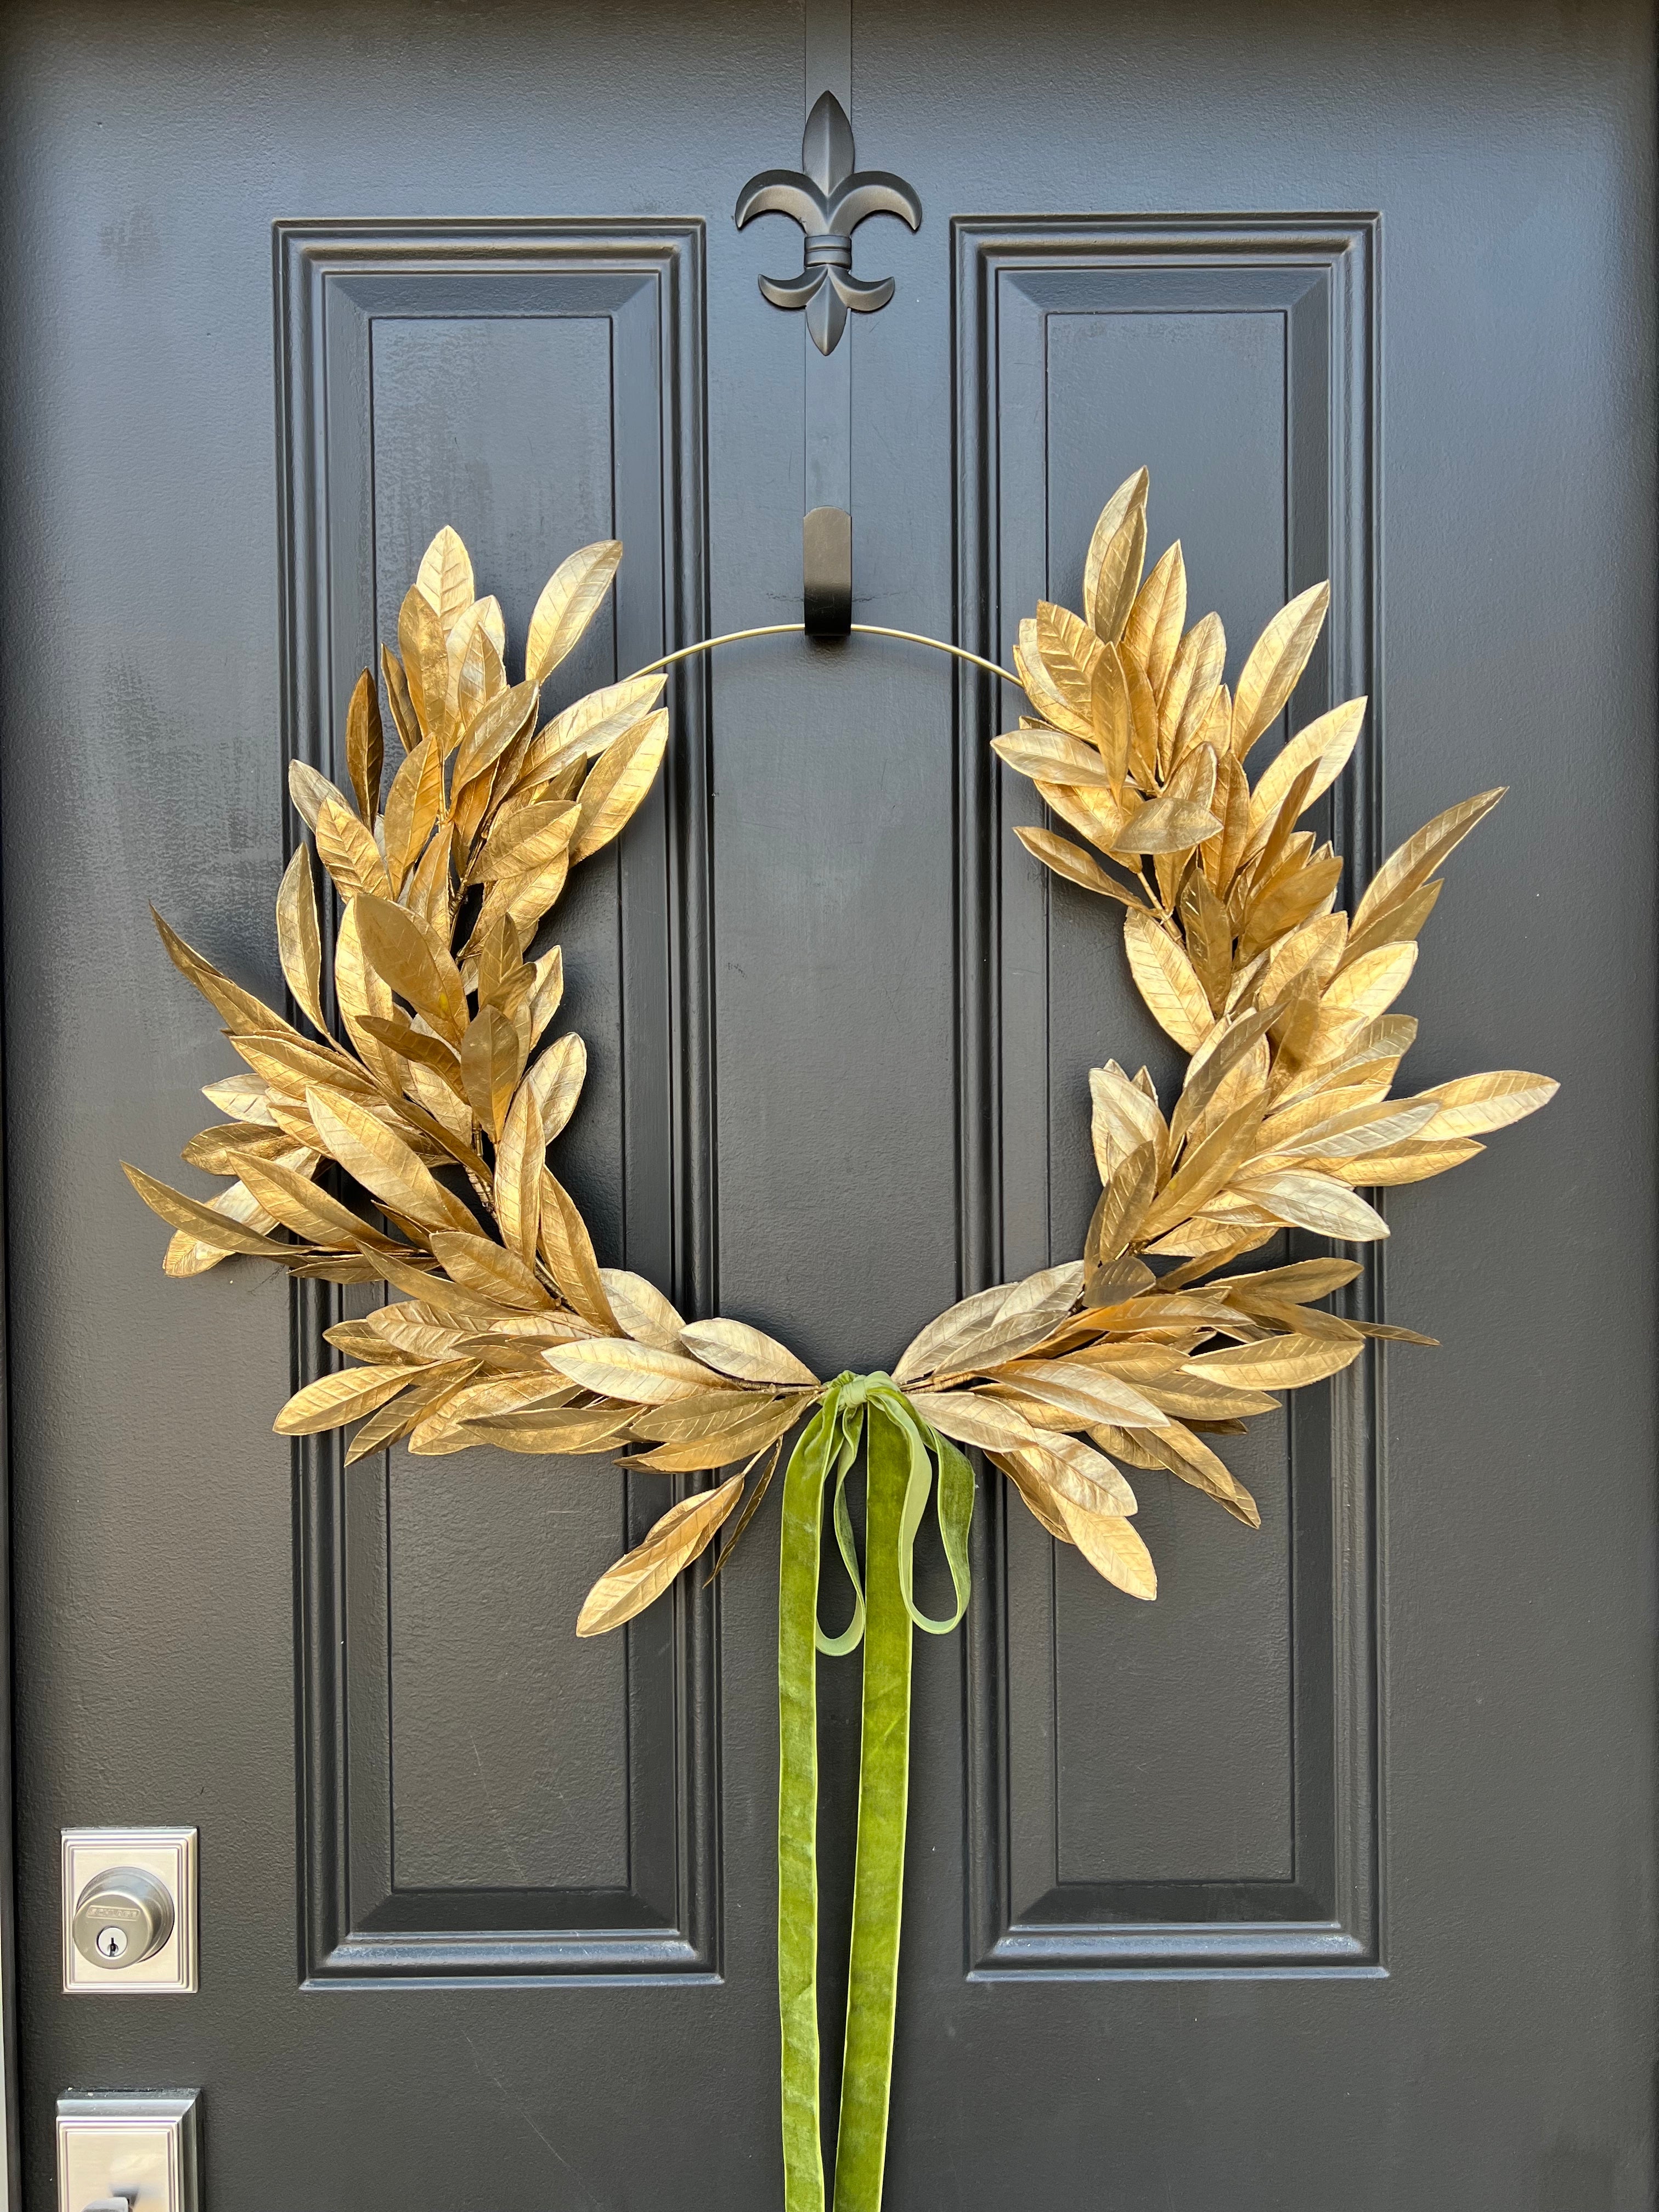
pixel 1326 1882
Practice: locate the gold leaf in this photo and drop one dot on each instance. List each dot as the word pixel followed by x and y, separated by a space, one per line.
pixel 644 1313
pixel 203 1223
pixel 1167 979
pixel 636 1580
pixel 972 1418
pixel 1275 1362
pixel 487 1269
pixel 1075 1386
pixel 1158 617
pixel 1319 1202
pixel 1205 1170
pixel 399 1415
pixel 299 940
pixel 1226 1052
pixel 349 852
pixel 1168 825
pixel 1413 1163
pixel 587 727
pixel 1474 1103
pixel 1416 860
pixel 1314 950
pixel 616 783
pixel 244 1096
pixel 1109 1544
pixel 617 1367
pixel 705 1413
pixel 1182 1454
pixel 1108 706
pixel 1071 714
pixel 1325 746
pixel 490 1065
pixel 1122 1117
pixel 1296 1284
pixel 1122 1206
pixel 992 1320
pixel 519 1152
pixel 1194 672
pixel 768 1420
pixel 1071 656
pixel 1064 1466
pixel 415 961
pixel 569 602
pixel 223 1151
pixel 333 1399
pixel 408 1044
pixel 547 990
pixel 413 805
pixel 1143 728
pixel 445 1427
pixel 557 1078
pixel 444 578
pixel 1359 1129
pixel 311 1214
pixel 1111 572
pixel 1193 1398
pixel 1404 920
pixel 1298 891
pixel 568 1251
pixel 403 719
pixel 1275 665
pixel 1208 930
pixel 525 838
pixel 491 732
pixel 1075 865
pixel 426 663
pixel 1053 758
pixel 732 1347
pixel 237 1007
pixel 1089 808
pixel 365 747
pixel 1371 984
pixel 382 1163
pixel 308 787
pixel 590 1429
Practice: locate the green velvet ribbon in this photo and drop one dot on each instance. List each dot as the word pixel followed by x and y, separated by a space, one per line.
pixel 902 1451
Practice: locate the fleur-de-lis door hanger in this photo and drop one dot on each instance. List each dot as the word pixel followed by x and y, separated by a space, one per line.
pixel 829 198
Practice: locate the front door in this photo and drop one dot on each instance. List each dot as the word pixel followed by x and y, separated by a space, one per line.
pixel 1324 1883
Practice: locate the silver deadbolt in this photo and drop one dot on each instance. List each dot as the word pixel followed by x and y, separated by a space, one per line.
pixel 128 1912
pixel 123 1916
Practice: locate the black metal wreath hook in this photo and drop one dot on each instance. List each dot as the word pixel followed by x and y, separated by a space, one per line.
pixel 829 199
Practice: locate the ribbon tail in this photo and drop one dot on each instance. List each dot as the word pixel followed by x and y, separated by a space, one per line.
pixel 804 1483
pixel 884 1795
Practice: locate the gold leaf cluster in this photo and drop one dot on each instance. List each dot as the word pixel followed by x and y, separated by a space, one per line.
pixel 1287 1110
pixel 403 1136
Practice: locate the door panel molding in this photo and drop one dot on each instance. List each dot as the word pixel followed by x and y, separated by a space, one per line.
pixel 623 303
pixel 1028 293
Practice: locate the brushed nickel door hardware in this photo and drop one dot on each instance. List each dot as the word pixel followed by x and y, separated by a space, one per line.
pixel 128 2150
pixel 129 1907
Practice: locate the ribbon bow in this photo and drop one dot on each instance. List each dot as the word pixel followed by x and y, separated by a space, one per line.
pixel 901 1451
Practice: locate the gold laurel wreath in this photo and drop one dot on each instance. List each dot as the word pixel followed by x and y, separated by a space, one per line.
pixel 437 1099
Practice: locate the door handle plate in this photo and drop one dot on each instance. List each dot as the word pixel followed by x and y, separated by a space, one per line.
pixel 137 2146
